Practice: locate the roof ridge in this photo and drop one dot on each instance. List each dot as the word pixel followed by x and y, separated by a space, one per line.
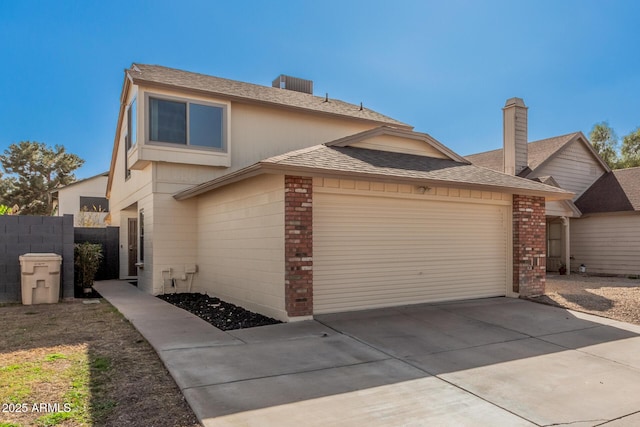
pixel 291 154
pixel 204 75
pixel 247 91
pixel 530 142
pixel 555 137
pixel 625 169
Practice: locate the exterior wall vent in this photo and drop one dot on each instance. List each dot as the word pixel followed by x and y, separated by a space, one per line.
pixel 293 83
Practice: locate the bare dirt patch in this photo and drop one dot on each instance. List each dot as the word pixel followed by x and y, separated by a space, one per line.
pixel 612 297
pixel 89 357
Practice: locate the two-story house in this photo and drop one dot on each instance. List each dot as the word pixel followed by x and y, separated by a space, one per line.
pixel 290 204
pixel 599 228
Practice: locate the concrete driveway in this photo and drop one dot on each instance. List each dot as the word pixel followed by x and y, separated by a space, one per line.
pixel 487 362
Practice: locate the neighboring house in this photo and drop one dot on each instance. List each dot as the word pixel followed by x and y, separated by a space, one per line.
pixel 291 205
pixel 85 200
pixel 588 229
pixel 606 238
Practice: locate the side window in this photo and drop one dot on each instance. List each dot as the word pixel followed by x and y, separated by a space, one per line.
pixel 133 123
pixel 130 137
pixel 141 236
pixel 127 171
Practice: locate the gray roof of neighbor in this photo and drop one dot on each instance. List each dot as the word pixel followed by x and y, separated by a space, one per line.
pixel 248 92
pixel 615 191
pixel 538 152
pixel 374 164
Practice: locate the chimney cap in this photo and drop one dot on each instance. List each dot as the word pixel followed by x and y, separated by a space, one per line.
pixel 514 102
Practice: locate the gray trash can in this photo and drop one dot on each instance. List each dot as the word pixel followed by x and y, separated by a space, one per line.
pixel 40 275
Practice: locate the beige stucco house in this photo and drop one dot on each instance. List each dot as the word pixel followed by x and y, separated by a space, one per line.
pixel 600 227
pixel 292 205
pixel 85 200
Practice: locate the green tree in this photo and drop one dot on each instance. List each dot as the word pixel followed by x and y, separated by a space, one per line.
pixel 605 141
pixel 32 170
pixel 631 149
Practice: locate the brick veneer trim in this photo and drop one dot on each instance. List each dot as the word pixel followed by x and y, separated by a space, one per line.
pixel 529 245
pixel 298 245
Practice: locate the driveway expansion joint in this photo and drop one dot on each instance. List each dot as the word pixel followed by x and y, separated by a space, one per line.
pixel 286 374
pixel 619 418
pixel 578 422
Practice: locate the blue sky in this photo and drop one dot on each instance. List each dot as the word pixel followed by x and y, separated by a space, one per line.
pixel 445 67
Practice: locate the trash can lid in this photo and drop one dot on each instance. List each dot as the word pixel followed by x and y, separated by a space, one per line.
pixel 40 255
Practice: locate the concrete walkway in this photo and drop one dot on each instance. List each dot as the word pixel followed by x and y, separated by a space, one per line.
pixel 486 362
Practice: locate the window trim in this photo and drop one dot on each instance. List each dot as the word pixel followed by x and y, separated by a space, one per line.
pixel 94 198
pixel 133 136
pixel 141 235
pixel 128 144
pixel 127 170
pixel 225 132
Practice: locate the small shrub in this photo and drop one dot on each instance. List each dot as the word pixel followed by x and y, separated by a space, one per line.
pixel 87 257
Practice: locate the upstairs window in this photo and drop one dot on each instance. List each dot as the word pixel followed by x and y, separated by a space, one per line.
pixel 133 123
pixel 141 234
pixel 186 123
pixel 94 204
pixel 130 137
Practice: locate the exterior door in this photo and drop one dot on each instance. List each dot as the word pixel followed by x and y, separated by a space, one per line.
pixel 132 241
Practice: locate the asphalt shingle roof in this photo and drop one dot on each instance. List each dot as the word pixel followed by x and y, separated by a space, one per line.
pixel 615 191
pixel 401 165
pixel 248 92
pixel 538 152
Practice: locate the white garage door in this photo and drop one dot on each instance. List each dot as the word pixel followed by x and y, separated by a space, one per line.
pixel 375 251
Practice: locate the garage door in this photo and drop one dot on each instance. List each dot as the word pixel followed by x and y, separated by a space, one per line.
pixel 377 251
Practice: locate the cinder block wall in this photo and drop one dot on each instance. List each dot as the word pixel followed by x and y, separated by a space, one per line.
pixel 22 234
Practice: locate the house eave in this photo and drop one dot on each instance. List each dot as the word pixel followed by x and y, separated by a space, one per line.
pixel 126 85
pixel 270 168
pixel 230 178
pixel 247 100
pixel 402 133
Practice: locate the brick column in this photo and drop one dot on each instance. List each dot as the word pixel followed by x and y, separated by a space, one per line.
pixel 298 245
pixel 529 245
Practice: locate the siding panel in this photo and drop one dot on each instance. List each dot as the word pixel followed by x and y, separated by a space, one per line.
pixel 379 251
pixel 574 169
pixel 607 244
pixel 241 245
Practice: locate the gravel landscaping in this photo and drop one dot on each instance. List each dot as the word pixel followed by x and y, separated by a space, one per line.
pixel 220 314
pixel 612 297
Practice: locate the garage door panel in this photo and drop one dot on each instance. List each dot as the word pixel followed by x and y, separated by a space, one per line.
pixel 376 251
pixel 395 299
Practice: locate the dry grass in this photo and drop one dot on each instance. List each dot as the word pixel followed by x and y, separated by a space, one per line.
pixel 612 297
pixel 88 357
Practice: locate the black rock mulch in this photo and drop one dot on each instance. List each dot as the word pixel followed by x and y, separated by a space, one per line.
pixel 220 314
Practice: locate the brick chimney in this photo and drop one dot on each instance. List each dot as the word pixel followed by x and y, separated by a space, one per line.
pixel 514 129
